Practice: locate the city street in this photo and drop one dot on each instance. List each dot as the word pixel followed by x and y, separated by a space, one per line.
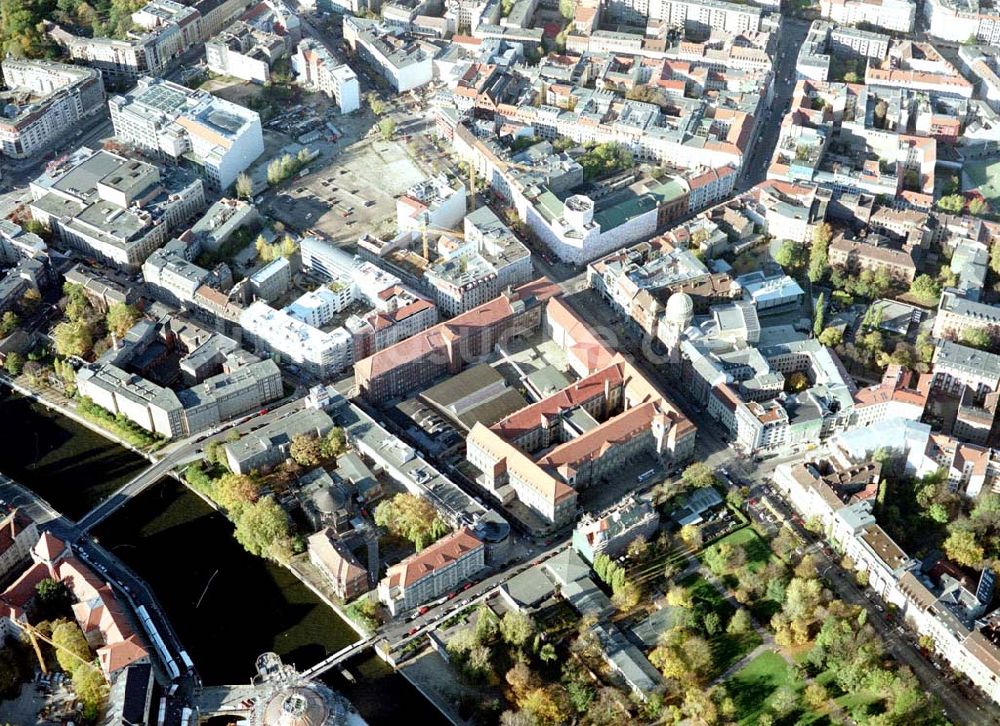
pixel 793 32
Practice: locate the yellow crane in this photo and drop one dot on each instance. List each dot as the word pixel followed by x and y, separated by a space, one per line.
pixel 34 635
pixel 424 229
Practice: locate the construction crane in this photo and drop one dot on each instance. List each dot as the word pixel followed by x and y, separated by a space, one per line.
pixel 473 173
pixel 424 229
pixel 34 635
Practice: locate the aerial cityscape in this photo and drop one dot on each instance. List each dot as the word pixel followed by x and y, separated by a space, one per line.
pixel 502 362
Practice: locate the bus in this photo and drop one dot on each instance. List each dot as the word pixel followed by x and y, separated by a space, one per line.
pixel 645 476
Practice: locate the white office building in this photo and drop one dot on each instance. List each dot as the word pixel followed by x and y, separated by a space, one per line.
pixel 220 137
pixel 280 333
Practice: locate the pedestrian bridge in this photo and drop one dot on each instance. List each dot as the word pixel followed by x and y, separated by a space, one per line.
pixel 337 658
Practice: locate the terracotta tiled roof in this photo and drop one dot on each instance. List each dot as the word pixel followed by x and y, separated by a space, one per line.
pixel 440 554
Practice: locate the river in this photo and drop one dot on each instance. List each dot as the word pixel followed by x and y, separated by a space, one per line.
pixel 69 465
pixel 226 605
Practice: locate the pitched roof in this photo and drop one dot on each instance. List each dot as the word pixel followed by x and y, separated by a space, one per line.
pixel 440 554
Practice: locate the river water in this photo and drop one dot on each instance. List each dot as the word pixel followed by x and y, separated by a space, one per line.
pixel 226 605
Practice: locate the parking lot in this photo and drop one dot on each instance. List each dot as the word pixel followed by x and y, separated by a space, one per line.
pixel 353 193
pixel 46 700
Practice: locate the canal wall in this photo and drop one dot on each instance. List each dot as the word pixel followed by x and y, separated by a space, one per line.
pixel 299 574
pixel 69 412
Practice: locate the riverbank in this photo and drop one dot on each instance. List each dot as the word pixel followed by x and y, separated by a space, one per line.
pixel 55 401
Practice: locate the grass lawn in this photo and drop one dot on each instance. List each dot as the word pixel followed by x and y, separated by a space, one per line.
pixel 752 686
pixel 726 648
pixel 758 553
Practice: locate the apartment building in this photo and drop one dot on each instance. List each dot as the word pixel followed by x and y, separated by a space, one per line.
pixel 447 347
pixel 43 101
pixel 393 53
pixel 958 366
pixel 319 353
pixel 18 534
pixel 170 414
pixel 433 203
pixel 872 253
pixel 959 20
pixel 918 67
pixel 122 62
pixel 242 52
pixel 271 445
pixel 957 314
pixel 317 68
pixel 271 280
pixel 114 209
pixel 895 15
pixel 697 18
pixel 220 138
pixel 611 532
pixel 432 572
pixel 345 575
pixel 471 272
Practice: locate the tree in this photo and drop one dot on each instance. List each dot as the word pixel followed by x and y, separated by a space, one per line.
pixel 961 546
pixel 375 104
pixel 73 338
pixel 8 323
pixel 850 77
pixel 522 680
pixel 784 701
pixel 30 300
pixel 306 449
pixel 831 337
pixel 637 548
pixel 711 623
pixel 120 319
pixel 262 529
pixel 698 475
pixel 72 645
pixel 818 316
pixel 234 492
pixel 797 381
pixel 822 234
pixel 979 206
pixel 244 186
pixel 335 443
pixel 801 597
pixel 815 696
pixel 627 596
pixel 411 517
pixel 51 591
pixel 691 536
pixel 953 203
pixel 740 622
pixel 14 363
pixel 925 289
pixel 549 706
pixel 566 8
pixel 91 690
pixel 516 628
pixel 387 127
pixel 976 338
pixel 680 597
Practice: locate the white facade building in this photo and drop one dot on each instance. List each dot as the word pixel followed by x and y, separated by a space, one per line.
pixel 316 67
pixel 163 117
pixel 44 101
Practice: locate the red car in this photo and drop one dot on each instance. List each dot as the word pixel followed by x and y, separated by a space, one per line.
pixel 451 595
pixel 467 585
pixel 412 631
pixel 423 610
